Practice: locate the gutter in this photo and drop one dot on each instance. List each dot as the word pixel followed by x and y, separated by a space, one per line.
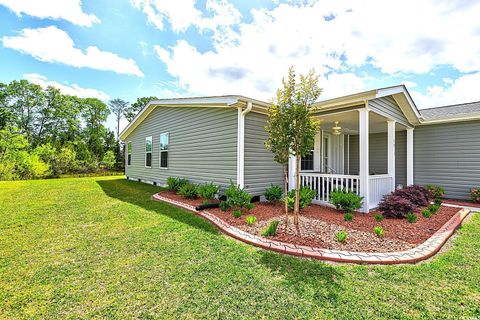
pixel 241 144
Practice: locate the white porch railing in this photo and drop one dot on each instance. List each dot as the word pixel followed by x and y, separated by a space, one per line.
pixel 323 184
pixel 380 185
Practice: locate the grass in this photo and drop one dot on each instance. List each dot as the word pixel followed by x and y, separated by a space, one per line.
pixel 101 248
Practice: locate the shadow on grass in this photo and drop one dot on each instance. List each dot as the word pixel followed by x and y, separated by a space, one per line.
pixel 140 194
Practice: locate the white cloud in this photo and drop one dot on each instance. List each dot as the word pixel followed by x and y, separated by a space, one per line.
pixel 51 44
pixel 69 10
pixel 333 37
pixel 73 90
pixel 461 90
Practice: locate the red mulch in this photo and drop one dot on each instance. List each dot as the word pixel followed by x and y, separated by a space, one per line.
pixel 465 203
pixel 395 229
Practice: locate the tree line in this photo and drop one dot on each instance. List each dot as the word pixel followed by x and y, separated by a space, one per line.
pixel 44 133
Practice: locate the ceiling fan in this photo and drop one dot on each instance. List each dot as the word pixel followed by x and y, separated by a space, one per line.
pixel 336 129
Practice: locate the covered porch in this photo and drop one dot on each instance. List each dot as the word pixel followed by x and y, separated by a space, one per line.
pixel 361 149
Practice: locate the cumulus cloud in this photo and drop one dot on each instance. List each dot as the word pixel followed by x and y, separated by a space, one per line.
pixel 336 38
pixel 51 44
pixel 69 10
pixel 73 90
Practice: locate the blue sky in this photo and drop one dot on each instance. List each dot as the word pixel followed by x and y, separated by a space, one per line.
pixel 128 49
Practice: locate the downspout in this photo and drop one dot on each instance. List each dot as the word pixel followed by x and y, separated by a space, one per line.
pixel 241 144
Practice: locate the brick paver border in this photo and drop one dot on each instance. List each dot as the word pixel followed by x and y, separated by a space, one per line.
pixel 421 252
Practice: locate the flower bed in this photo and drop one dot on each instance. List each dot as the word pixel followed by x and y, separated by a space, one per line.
pixel 319 224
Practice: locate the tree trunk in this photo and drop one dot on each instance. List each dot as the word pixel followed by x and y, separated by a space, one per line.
pixel 285 190
pixel 296 208
pixel 118 127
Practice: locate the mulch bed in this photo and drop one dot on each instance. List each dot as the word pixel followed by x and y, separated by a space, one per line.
pixel 319 224
pixel 465 203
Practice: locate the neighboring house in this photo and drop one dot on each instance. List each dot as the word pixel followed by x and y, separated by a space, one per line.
pixel 369 143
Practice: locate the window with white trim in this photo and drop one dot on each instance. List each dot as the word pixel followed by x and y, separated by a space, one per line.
pixel 148 151
pixel 129 153
pixel 164 141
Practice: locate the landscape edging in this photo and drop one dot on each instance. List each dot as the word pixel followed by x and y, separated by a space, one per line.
pixel 423 251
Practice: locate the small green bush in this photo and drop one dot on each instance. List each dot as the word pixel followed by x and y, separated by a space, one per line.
pixel 271 229
pixel 238 198
pixel 250 220
pixel 188 191
pixel 207 190
pixel 378 217
pixel 341 236
pixel 348 216
pixel 379 232
pixel 223 206
pixel 426 213
pixel 273 193
pixel 475 195
pixel 174 184
pixel 411 217
pixel 306 198
pixel 434 208
pixel 437 192
pixel 437 201
pixel 345 200
pixel 237 213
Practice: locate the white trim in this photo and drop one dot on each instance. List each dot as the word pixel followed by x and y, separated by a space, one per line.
pixel 391 150
pixel 241 144
pixel 239 141
pixel 348 154
pixel 151 152
pixel 292 166
pixel 160 149
pixel 363 123
pixel 410 178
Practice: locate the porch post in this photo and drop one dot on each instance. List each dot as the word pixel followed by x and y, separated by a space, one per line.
pixel 409 156
pixel 291 172
pixel 363 115
pixel 391 150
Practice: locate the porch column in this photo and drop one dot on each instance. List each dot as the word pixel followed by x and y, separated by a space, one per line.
pixel 363 115
pixel 409 156
pixel 391 150
pixel 291 172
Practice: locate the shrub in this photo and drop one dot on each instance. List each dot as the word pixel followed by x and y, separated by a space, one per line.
pixel 437 201
pixel 237 213
pixel 306 197
pixel 188 191
pixel 475 195
pixel 238 198
pixel 250 220
pixel 274 193
pixel 345 200
pixel 395 206
pixel 271 229
pixel 174 184
pixel 434 208
pixel 426 213
pixel 223 206
pixel 411 217
pixel 348 216
pixel 341 236
pixel 207 190
pixel 436 191
pixel 379 231
pixel 378 217
pixel 418 195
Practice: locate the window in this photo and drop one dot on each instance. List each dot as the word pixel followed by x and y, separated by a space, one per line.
pixel 148 151
pixel 307 162
pixel 129 153
pixel 164 141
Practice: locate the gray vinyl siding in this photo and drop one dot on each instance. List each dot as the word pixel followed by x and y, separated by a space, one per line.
pixel 203 145
pixel 260 169
pixel 378 155
pixel 388 107
pixel 448 155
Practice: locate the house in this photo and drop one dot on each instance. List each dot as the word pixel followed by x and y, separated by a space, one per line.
pixel 369 143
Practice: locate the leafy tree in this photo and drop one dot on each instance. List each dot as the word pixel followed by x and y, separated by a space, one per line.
pixel 118 107
pixel 134 108
pixel 109 160
pixel 95 113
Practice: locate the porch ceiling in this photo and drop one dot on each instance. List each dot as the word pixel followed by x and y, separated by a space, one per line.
pixel 349 122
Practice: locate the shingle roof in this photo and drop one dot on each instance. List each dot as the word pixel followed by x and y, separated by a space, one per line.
pixel 452 111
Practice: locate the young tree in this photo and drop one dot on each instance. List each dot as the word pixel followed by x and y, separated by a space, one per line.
pixel 118 107
pixel 131 111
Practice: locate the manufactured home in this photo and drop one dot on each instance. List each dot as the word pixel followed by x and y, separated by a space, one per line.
pixel 369 143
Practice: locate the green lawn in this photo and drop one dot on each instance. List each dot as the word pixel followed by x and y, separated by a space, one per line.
pixel 100 248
